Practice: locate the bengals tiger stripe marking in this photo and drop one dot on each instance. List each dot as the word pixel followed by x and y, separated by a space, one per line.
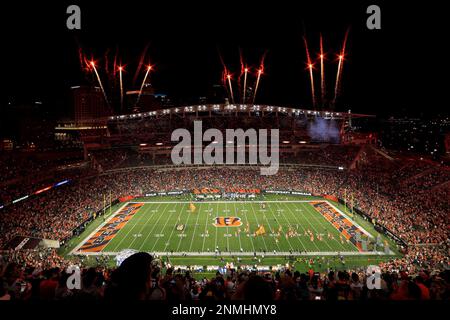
pixel 102 237
pixel 340 222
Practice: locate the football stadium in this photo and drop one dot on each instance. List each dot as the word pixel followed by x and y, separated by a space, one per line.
pixel 185 172
pixel 331 207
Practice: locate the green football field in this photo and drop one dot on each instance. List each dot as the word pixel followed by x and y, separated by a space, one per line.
pixel 185 228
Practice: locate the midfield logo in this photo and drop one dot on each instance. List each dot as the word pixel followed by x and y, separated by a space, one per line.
pixel 227 222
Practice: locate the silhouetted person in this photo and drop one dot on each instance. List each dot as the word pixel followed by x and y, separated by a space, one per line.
pixel 132 280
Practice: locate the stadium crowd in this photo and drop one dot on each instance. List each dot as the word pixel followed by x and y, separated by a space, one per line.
pixel 411 202
pixel 138 278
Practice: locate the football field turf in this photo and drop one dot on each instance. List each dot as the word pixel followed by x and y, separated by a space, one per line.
pixel 228 227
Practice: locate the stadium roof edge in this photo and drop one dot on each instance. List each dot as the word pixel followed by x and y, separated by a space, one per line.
pixel 230 108
pixel 240 108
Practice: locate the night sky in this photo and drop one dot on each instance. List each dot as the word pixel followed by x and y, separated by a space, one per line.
pixel 389 71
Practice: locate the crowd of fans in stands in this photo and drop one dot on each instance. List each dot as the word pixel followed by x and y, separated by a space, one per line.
pixel 22 174
pixel 138 278
pixel 410 202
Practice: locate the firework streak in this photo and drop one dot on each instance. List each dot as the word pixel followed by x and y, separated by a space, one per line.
pixel 121 88
pixel 322 78
pixel 310 67
pixel 100 82
pixel 340 222
pixel 143 83
pixel 102 237
pixel 340 68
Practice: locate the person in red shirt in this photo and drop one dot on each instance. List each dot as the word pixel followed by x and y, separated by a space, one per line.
pixel 424 291
pixel 311 273
pixel 48 286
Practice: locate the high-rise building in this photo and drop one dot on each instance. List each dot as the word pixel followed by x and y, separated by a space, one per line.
pixel 89 103
pixel 146 101
pixel 216 94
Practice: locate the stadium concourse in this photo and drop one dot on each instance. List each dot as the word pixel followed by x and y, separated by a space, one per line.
pixel 407 196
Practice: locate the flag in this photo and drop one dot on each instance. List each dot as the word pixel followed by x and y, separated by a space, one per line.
pixel 192 207
pixel 260 231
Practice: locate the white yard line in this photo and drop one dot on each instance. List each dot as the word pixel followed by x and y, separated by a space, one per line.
pixel 310 224
pixel 185 227
pixel 144 224
pixel 257 222
pixel 217 229
pixel 290 226
pixel 173 229
pixel 206 228
pixel 195 228
pixel 154 226
pixel 301 226
pixel 228 232
pixel 270 227
pixel 164 227
pixel 238 233
pixel 248 234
